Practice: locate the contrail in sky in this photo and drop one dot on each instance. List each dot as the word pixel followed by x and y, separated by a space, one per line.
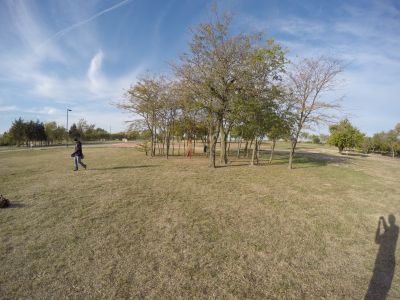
pixel 80 23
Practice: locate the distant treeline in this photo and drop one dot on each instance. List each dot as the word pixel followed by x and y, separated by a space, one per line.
pixel 346 137
pixel 36 133
pixel 384 142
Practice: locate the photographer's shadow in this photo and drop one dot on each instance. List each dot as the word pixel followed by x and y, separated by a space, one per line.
pixel 385 262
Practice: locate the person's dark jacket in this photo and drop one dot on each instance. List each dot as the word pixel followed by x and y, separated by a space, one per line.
pixel 78 149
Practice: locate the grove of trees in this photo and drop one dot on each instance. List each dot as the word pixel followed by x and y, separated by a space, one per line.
pixel 88 132
pixel 38 133
pixel 384 142
pixel 34 132
pixel 345 136
pixel 237 85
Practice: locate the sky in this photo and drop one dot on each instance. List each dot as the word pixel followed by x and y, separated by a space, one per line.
pixel 83 55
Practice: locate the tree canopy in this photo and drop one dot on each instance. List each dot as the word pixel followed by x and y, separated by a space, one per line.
pixel 345 136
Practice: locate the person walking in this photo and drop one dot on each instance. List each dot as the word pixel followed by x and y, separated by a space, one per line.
pixel 78 155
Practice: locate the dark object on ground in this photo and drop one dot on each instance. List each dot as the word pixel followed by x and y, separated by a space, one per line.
pixel 4 202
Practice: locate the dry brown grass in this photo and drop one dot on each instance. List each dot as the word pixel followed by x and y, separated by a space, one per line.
pixel 136 227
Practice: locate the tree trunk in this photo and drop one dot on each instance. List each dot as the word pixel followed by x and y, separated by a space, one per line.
pixel 223 156
pixel 214 139
pixel 251 145
pixel 238 149
pixel 173 145
pixel 208 141
pixel 194 144
pixel 291 154
pixel 153 148
pixel 293 148
pixel 272 150
pixel 246 148
pixel 167 142
pixel 166 145
pixel 226 152
pixel 155 142
pixel 253 155
pixel 211 147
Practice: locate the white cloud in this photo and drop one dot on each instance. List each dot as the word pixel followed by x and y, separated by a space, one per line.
pixel 61 72
pixel 47 110
pixel 30 31
pixel 94 74
pixel 28 65
pixel 8 108
pixel 102 86
pixel 366 38
pixel 78 24
pixel 300 27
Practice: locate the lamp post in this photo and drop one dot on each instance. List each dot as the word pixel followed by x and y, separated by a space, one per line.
pixel 67 125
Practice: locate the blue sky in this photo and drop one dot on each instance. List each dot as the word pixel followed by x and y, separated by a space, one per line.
pixel 82 55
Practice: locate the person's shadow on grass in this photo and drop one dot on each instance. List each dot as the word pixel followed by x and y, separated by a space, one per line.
pixel 385 262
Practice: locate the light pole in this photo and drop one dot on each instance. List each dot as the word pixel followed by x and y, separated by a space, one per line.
pixel 67 125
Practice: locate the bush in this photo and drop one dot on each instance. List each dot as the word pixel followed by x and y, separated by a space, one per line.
pixel 144 146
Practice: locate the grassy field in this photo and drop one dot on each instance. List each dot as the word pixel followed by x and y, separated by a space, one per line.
pixel 138 227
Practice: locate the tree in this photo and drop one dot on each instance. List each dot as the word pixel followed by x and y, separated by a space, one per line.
pixel 193 120
pixel 392 140
pixel 344 136
pixel 40 132
pixel 30 132
pixel 384 142
pixel 211 70
pixel 5 139
pixel 367 144
pixel 315 139
pixel 132 134
pixel 378 142
pixel 258 117
pixel 144 99
pixel 280 129
pixel 59 134
pixel 224 70
pixel 98 134
pixel 138 126
pixel 17 131
pixel 307 83
pixel 86 130
pixel 259 102
pixel 50 129
pixel 74 132
pixel 168 112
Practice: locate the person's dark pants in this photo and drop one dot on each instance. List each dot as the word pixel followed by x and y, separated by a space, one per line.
pixel 77 160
